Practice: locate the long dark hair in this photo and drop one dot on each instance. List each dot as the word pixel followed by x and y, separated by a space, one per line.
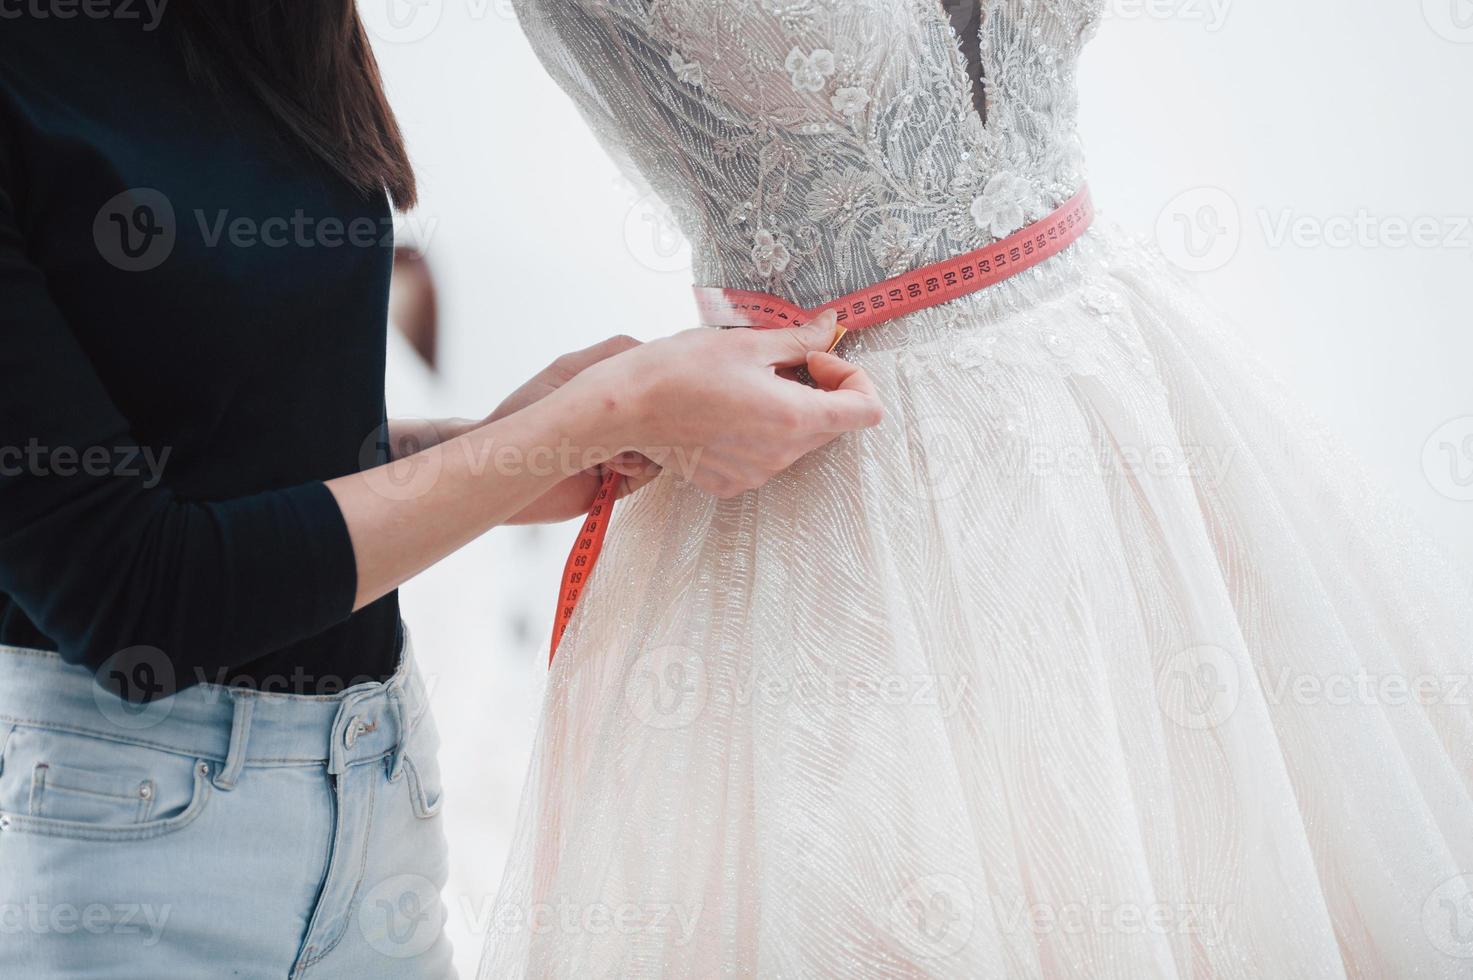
pixel 310 65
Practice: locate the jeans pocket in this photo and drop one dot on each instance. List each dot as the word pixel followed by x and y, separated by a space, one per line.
pixel 63 784
pixel 82 795
pixel 422 765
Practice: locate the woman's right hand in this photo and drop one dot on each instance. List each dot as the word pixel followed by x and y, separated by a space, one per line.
pixel 708 404
pixel 711 405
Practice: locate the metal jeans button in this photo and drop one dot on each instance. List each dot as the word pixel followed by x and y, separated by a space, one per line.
pixel 357 727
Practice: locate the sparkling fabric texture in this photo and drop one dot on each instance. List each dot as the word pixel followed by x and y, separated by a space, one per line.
pixel 1095 659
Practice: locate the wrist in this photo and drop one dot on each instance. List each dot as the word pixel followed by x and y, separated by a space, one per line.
pixel 609 403
pixel 588 417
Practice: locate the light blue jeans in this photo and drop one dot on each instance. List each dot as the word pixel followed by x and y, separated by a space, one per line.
pixel 218 832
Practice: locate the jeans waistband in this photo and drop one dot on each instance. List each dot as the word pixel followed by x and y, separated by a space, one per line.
pixel 232 727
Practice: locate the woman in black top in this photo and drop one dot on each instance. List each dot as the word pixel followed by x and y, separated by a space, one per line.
pixel 195 245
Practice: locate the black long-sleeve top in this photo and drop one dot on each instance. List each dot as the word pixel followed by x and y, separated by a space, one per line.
pixel 192 339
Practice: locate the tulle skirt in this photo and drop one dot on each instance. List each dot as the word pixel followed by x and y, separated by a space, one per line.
pixel 1095 659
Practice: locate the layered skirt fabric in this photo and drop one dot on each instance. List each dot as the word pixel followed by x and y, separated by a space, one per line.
pixel 1095 659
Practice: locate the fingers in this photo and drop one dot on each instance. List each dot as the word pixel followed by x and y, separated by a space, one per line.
pixel 849 400
pixel 632 483
pixel 834 373
pixel 633 465
pixel 608 348
pixel 789 348
pixel 571 364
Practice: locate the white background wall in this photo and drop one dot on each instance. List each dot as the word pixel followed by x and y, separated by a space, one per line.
pixel 1208 124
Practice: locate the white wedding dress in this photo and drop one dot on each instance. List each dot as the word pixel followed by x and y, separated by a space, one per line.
pixel 1093 660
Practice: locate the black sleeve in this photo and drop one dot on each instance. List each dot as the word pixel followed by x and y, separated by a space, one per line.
pixel 104 561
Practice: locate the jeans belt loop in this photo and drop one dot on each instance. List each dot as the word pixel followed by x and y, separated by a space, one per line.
pixel 240 734
pixel 396 704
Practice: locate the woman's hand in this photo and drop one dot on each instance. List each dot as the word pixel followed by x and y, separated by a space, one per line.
pixel 573 496
pixel 712 406
pixel 709 403
pixel 559 373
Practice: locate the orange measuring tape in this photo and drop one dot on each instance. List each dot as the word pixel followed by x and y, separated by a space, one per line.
pixel 921 289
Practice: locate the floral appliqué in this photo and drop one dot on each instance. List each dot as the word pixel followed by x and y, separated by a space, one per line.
pixel 689 72
pixel 810 72
pixel 1005 205
pixel 850 101
pixel 770 254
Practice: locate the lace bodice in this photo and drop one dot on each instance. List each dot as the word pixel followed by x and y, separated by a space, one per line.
pixel 808 148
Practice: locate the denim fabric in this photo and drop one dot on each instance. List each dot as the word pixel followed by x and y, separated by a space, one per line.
pixel 218 832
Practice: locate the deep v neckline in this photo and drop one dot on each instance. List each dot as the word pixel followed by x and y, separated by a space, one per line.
pixel 966 24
